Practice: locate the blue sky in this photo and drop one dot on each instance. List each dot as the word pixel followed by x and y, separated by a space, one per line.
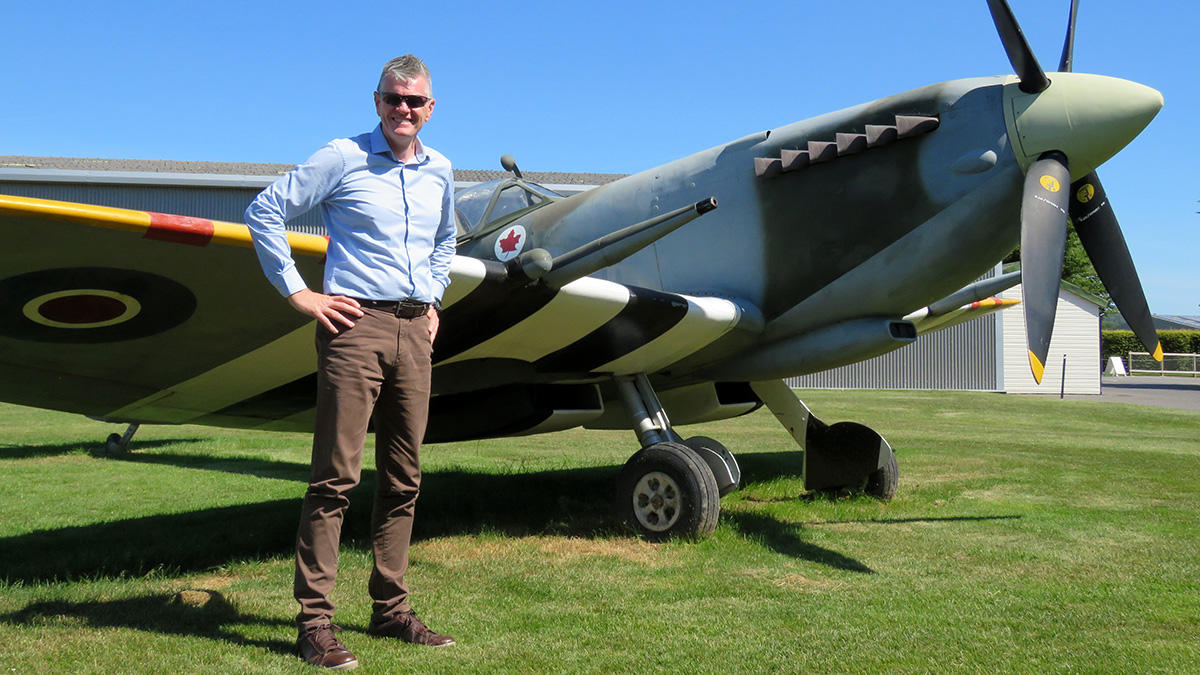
pixel 597 87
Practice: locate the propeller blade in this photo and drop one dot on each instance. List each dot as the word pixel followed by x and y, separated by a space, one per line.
pixel 1064 63
pixel 1096 223
pixel 1043 239
pixel 1024 63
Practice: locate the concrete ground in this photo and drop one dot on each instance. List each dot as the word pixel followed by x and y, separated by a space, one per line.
pixel 1182 393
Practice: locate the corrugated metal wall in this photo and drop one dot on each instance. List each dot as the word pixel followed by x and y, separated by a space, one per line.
pixel 212 202
pixel 962 357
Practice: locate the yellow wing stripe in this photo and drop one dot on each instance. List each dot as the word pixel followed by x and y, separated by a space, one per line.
pixel 153 225
pixel 100 216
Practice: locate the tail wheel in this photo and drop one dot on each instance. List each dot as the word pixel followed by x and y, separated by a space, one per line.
pixel 667 490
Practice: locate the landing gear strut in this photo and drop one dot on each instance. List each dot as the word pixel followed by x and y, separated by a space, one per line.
pixel 672 486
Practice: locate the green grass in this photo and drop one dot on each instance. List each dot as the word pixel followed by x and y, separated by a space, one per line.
pixel 1028 535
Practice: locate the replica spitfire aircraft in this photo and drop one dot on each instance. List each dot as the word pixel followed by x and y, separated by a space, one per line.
pixel 825 242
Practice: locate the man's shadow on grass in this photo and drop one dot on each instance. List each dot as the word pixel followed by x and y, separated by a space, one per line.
pixel 202 613
pixel 570 502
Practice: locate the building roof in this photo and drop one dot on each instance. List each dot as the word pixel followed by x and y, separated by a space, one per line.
pixel 166 166
pixel 1066 286
pixel 1182 322
pixel 1114 321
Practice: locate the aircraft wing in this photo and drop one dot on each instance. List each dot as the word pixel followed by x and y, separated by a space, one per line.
pixel 138 316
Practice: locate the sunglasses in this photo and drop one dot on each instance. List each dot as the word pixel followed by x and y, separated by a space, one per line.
pixel 412 100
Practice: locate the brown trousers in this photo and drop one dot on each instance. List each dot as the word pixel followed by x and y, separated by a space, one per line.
pixel 382 364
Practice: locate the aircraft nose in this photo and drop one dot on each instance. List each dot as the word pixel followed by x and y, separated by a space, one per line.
pixel 1087 117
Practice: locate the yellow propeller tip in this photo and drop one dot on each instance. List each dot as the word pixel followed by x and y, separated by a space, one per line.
pixel 1036 366
pixel 1158 353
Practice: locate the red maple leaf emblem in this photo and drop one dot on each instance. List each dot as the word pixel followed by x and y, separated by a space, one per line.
pixel 509 243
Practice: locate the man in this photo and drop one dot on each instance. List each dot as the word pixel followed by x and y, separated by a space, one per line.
pixel 387 204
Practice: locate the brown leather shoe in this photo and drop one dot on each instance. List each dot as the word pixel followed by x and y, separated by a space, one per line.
pixel 409 628
pixel 319 647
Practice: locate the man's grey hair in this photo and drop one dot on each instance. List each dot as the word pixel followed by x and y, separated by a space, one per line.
pixel 406 69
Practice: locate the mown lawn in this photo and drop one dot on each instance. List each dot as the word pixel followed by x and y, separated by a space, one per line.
pixel 1028 535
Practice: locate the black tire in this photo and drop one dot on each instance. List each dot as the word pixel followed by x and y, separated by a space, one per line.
pixel 112 445
pixel 882 482
pixel 666 490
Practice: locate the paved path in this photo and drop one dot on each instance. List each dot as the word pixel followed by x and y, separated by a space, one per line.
pixel 1182 393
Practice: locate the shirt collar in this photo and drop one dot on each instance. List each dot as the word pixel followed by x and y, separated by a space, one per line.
pixel 379 145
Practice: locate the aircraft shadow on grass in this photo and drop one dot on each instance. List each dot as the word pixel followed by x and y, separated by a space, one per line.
pixel 214 618
pixel 34 451
pixel 571 502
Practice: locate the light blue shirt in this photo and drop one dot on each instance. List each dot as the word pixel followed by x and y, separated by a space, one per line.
pixel 390 225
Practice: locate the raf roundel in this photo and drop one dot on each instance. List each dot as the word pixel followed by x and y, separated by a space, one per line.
pixel 82 308
pixel 509 243
pixel 93 305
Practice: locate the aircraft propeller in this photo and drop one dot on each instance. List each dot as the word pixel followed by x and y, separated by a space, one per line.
pixel 1046 205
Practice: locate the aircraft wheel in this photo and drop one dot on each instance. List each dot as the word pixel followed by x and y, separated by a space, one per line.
pixel 882 482
pixel 667 490
pixel 112 445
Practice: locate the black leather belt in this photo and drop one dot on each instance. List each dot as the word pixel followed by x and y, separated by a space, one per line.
pixel 405 309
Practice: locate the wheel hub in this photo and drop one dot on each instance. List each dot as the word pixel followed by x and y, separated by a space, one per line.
pixel 657 501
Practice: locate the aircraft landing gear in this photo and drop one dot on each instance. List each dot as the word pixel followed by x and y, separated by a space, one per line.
pixel 666 490
pixel 672 486
pixel 117 444
pixel 846 456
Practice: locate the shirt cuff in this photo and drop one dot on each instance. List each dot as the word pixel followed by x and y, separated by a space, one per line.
pixel 289 283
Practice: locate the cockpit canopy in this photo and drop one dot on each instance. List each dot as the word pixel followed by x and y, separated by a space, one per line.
pixel 484 207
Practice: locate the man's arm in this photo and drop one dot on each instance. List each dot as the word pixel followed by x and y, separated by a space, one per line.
pixel 295 193
pixel 443 252
pixel 443 241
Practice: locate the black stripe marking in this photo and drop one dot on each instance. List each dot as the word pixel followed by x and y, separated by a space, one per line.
pixel 489 310
pixel 648 315
pixel 503 411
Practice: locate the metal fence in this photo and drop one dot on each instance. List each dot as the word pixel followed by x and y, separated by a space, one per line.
pixel 1172 364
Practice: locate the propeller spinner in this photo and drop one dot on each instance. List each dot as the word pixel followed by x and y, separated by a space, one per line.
pixel 1063 127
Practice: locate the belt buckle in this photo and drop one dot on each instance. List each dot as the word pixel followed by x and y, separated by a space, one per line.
pixel 410 309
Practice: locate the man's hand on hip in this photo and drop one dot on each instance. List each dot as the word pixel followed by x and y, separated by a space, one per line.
pixel 326 308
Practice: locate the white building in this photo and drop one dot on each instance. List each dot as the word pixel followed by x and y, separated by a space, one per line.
pixel 1075 343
